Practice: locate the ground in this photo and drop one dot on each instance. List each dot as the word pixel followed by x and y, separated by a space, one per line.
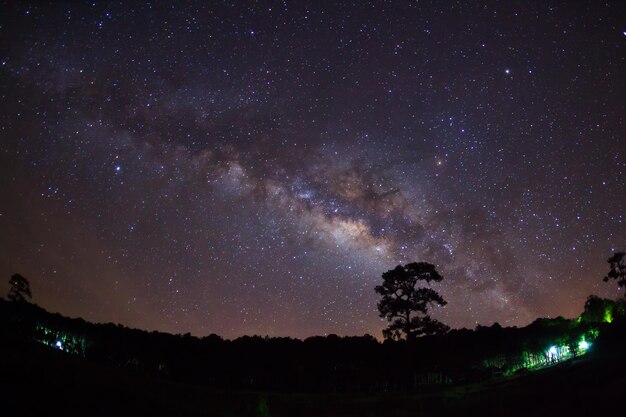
pixel 41 381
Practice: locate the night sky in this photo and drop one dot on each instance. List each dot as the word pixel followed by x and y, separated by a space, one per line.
pixel 253 168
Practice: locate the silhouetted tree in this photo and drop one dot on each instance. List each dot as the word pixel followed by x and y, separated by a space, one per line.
pixel 405 305
pixel 20 288
pixel 596 309
pixel 618 269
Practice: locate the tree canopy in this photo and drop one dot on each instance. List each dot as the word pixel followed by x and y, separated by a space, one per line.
pixel 405 305
pixel 20 288
pixel 617 269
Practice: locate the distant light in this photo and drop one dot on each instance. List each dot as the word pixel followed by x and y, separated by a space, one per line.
pixel 552 350
pixel 583 345
pixel 59 345
pixel 118 168
pixel 507 71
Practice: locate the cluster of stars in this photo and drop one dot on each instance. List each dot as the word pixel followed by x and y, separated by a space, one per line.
pixel 253 169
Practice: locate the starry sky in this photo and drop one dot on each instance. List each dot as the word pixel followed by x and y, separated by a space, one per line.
pixel 253 167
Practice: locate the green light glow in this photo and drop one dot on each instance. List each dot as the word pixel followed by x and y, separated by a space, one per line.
pixel 608 315
pixel 537 360
pixel 59 339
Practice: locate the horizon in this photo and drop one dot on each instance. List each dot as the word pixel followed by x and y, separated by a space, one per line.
pixel 378 338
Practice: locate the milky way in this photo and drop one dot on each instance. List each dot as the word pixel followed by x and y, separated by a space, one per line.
pixel 254 168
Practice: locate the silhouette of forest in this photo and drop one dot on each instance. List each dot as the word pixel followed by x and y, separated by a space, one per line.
pixel 321 363
pixel 567 366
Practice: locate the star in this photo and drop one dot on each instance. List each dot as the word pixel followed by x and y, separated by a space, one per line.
pixel 256 171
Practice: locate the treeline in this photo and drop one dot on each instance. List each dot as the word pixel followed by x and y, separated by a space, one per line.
pixel 330 363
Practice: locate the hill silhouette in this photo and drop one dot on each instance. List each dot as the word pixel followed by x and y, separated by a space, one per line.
pixel 71 361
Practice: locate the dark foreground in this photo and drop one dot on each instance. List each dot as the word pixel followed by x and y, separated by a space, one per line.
pixel 40 381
